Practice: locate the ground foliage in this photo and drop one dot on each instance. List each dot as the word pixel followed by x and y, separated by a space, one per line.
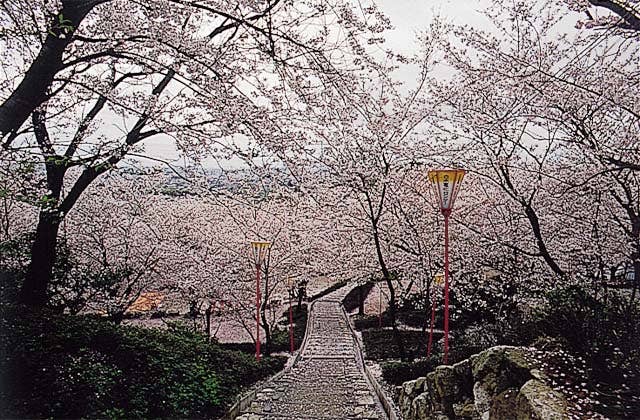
pixel 59 366
pixel 397 372
pixel 587 343
pixel 280 337
pixel 380 344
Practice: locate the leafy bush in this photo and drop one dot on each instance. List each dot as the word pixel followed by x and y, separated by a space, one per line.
pixel 379 344
pixel 602 332
pixel 64 366
pixel 483 301
pixel 605 332
pixel 415 311
pixel 397 372
pixel 280 337
pixel 363 322
pixel 248 348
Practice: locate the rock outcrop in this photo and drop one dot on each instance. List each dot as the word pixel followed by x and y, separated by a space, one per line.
pixel 499 383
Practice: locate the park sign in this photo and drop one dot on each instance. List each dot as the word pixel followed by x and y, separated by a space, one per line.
pixel 446 183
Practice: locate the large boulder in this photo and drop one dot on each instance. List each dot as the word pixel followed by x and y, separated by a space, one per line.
pixel 498 373
pixel 501 367
pixel 410 390
pixel 538 401
pixel 499 383
pixel 503 405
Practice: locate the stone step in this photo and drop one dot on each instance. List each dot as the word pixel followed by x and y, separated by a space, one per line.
pixel 303 410
pixel 326 382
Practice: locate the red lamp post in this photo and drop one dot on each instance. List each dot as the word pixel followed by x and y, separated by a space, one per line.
pixel 259 252
pixel 446 184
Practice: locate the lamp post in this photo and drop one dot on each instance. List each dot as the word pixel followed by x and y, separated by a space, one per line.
pixel 259 249
pixel 446 183
pixel 290 285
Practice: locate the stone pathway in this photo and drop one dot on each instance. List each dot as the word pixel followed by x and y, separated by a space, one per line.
pixel 327 382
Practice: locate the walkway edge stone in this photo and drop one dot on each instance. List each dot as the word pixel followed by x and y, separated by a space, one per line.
pixel 387 404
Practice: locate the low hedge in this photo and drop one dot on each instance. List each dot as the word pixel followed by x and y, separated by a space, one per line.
pixel 365 322
pixel 397 372
pixel 60 366
pixel 379 344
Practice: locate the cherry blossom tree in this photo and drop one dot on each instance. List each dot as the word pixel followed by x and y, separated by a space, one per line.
pixel 551 131
pixel 201 72
pixel 624 16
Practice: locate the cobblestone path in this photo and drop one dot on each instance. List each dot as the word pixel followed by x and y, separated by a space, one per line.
pixel 327 382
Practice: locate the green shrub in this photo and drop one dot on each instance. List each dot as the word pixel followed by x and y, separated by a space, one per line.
pixel 415 311
pixel 280 337
pixel 397 372
pixel 379 344
pixel 606 332
pixel 364 322
pixel 64 366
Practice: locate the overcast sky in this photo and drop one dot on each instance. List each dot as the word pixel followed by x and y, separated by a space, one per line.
pixel 412 16
pixel 408 17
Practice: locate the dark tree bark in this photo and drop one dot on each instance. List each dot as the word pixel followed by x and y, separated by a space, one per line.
pixel 302 291
pixel 532 216
pixel 622 9
pixel 374 215
pixel 34 289
pixel 33 89
pixel 43 252
pixel 635 257
pixel 263 309
pixel 207 314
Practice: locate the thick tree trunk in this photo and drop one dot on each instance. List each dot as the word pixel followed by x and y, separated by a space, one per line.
pixel 263 312
pixel 397 338
pixel 635 257
pixel 301 292
pixel 636 280
pixel 33 89
pixel 393 310
pixel 207 314
pixel 117 317
pixel 625 11
pixel 532 216
pixel 43 257
pixel 267 334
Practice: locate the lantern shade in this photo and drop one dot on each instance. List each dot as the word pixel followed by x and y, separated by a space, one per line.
pixel 289 283
pixel 446 183
pixel 259 249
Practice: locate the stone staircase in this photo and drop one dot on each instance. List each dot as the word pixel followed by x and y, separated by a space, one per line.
pixel 326 382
